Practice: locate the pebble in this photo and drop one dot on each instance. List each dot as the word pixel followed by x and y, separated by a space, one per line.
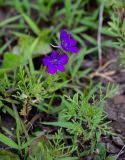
pixel 111 148
pixel 118 141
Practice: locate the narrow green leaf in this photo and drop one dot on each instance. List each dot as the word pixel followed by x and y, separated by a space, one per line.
pixel 33 46
pixel 8 141
pixel 90 39
pixel 67 125
pixel 9 20
pixel 7 155
pixel 68 12
pixel 79 59
pixel 32 24
pixel 86 22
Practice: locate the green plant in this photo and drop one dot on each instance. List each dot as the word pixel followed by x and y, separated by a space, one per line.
pixel 84 120
pixel 53 148
pixel 68 110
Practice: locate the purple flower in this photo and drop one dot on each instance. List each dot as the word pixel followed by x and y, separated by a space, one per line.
pixel 55 62
pixel 67 43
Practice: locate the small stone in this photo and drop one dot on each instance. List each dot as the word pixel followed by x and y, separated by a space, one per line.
pixel 111 148
pixel 111 111
pixel 12 129
pixel 121 116
pixel 118 141
pixel 119 99
pixel 118 130
pixel 112 115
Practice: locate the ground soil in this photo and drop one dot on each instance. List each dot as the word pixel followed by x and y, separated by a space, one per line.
pixel 115 108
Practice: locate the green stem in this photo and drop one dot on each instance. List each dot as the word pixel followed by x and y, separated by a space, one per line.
pixel 31 65
pixel 31 50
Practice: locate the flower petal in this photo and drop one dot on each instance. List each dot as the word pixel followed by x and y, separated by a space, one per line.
pixel 61 68
pixel 54 55
pixel 63 46
pixel 63 34
pixel 52 69
pixel 72 42
pixel 67 43
pixel 64 59
pixel 74 49
pixel 46 61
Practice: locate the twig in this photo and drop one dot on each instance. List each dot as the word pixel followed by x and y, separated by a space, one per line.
pixel 107 64
pixel 121 152
pixel 37 116
pixel 99 33
pixel 100 71
pixel 30 123
pixel 105 75
pixel 54 46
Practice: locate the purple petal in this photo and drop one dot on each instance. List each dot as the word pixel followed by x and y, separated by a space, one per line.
pixel 46 60
pixel 52 69
pixel 63 34
pixel 63 46
pixel 74 49
pixel 72 42
pixel 54 54
pixel 61 68
pixel 67 43
pixel 64 59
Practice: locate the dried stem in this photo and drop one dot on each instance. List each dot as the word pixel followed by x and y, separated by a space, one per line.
pixel 100 71
pixel 107 64
pixel 99 33
pixel 105 75
pixel 54 46
pixel 121 152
